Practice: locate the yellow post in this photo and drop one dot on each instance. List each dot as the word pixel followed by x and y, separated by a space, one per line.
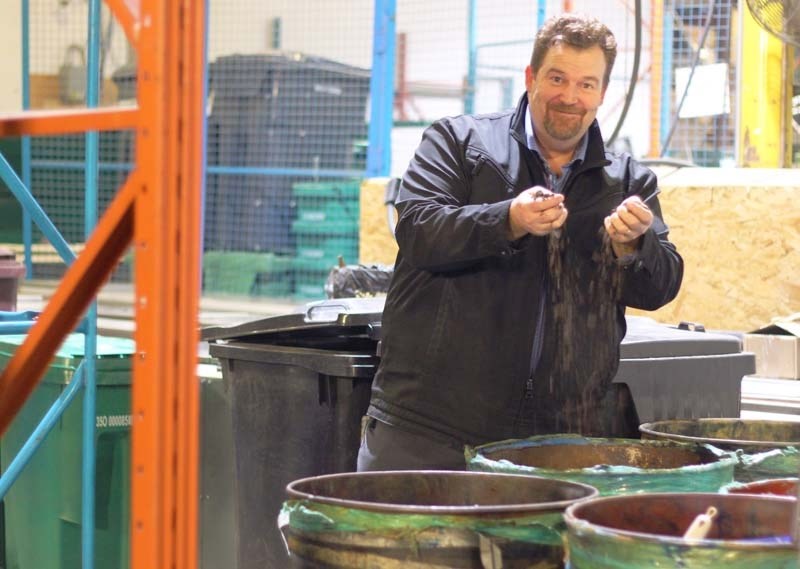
pixel 789 160
pixel 656 68
pixel 761 110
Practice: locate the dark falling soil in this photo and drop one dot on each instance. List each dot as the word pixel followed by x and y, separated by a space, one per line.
pixel 580 379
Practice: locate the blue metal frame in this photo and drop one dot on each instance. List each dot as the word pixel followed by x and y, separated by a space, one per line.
pixel 472 57
pixel 473 49
pixel 27 225
pixel 35 211
pixel 41 431
pixel 204 166
pixel 85 375
pixel 81 165
pixel 236 170
pixel 21 322
pixel 90 339
pixel 381 87
pixel 541 13
pixel 666 76
pixel 16 323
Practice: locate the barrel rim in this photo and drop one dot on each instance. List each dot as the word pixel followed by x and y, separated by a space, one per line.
pixel 752 487
pixel 532 507
pixel 575 524
pixel 650 429
pixel 723 459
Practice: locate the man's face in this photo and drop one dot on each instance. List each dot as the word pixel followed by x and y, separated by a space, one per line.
pixel 565 93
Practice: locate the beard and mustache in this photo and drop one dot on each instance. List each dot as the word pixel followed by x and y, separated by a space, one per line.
pixel 560 126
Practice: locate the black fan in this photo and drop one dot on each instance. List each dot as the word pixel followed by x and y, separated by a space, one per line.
pixel 781 18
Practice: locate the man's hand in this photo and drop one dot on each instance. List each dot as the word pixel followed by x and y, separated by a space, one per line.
pixel 537 211
pixel 626 224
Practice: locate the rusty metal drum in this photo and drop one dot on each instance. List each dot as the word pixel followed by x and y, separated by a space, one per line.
pixel 647 530
pixel 765 449
pixel 409 519
pixel 613 466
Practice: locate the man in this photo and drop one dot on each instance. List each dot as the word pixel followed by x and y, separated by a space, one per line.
pixel 521 243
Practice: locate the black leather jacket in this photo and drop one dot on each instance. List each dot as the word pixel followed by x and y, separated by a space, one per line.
pixel 486 339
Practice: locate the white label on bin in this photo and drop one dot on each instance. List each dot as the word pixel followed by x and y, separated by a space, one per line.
pixel 109 421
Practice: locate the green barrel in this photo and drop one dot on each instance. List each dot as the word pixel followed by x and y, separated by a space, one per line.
pixel 646 530
pixel 427 519
pixel 613 466
pixel 43 506
pixel 765 449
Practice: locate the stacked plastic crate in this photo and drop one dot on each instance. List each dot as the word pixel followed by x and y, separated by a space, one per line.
pixel 325 229
pixel 247 273
pixel 278 120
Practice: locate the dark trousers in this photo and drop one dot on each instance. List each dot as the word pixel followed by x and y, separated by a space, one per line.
pixel 384 447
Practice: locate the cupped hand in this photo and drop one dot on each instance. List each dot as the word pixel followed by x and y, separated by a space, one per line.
pixel 537 211
pixel 629 221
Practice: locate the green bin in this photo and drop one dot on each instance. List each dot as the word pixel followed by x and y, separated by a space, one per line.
pixel 43 506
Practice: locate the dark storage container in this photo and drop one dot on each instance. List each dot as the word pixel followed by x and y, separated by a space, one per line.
pixel 294 89
pixel 217 548
pixel 280 111
pixel 675 373
pixel 299 385
pixel 11 271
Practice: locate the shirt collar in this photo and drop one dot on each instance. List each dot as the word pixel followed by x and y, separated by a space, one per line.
pixel 580 149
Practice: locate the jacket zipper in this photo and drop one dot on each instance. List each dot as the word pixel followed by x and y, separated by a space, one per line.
pixel 538 338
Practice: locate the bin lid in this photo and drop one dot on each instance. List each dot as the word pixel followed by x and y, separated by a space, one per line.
pixel 340 317
pixel 361 318
pixel 74 346
pixel 647 338
pixel 113 355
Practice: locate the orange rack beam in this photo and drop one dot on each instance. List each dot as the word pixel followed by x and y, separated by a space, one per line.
pixel 158 211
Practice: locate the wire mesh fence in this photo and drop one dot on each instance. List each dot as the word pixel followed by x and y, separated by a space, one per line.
pixel 287 137
pixel 457 56
pixel 56 54
pixel 699 124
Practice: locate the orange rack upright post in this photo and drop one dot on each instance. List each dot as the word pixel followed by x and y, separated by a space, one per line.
pixel 157 211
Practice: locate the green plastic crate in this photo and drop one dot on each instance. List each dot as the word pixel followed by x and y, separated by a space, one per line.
pixel 43 507
pixel 310 291
pixel 326 202
pixel 349 189
pixel 327 248
pixel 274 284
pixel 330 228
pixel 310 276
pixel 245 273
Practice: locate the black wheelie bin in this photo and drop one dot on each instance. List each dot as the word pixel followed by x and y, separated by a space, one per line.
pixel 299 385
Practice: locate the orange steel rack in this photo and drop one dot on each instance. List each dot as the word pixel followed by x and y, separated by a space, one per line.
pixel 157 211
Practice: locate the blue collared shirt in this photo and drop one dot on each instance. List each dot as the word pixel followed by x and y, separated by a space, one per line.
pixel 556 183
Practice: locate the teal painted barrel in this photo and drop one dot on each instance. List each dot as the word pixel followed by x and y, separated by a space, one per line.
pixel 766 449
pixel 427 519
pixel 646 530
pixel 613 466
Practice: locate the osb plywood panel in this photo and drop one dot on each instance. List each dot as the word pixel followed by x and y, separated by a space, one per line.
pixel 741 248
pixel 738 232
pixel 377 244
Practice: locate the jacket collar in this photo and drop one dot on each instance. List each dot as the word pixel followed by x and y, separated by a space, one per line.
pixel 595 150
